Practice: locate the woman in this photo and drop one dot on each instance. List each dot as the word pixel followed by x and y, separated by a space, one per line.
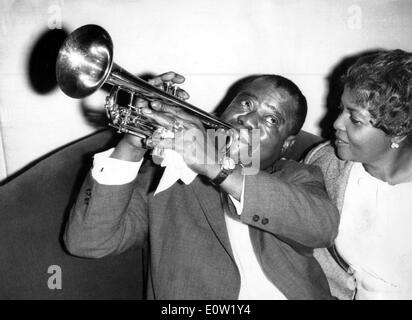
pixel 368 174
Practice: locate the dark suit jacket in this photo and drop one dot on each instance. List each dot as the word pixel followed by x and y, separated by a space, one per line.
pixel 288 213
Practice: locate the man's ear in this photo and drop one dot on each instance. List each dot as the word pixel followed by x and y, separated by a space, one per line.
pixel 288 143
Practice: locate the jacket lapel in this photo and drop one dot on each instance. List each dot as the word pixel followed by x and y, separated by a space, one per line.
pixel 210 201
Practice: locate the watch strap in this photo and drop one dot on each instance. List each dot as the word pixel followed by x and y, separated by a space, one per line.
pixel 221 176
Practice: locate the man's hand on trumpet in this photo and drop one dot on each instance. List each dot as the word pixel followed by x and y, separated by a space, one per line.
pixel 168 82
pixel 190 138
pixel 131 148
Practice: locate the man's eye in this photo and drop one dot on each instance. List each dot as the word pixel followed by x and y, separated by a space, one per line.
pixel 272 120
pixel 246 104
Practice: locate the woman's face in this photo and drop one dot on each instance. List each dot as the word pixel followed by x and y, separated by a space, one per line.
pixel 356 138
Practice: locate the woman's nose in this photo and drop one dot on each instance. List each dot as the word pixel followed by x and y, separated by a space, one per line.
pixel 339 123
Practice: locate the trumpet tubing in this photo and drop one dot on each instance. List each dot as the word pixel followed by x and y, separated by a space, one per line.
pixel 85 63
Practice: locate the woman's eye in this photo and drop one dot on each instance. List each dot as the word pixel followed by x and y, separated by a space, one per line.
pixel 354 121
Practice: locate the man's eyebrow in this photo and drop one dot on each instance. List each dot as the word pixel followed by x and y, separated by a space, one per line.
pixel 251 95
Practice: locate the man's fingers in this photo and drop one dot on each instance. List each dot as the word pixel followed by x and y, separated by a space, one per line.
pixel 182 94
pixel 167 143
pixel 167 77
pixel 159 117
pixel 141 103
pixel 173 77
pixel 176 112
pixel 167 82
pixel 164 107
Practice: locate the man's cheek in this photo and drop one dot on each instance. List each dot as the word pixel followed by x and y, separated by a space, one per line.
pixel 250 154
pixel 236 149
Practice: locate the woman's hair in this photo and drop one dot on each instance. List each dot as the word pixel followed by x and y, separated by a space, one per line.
pixel 382 83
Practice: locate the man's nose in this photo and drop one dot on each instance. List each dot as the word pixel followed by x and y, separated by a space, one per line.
pixel 248 120
pixel 339 124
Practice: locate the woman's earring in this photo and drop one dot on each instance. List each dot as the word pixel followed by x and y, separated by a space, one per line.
pixel 394 145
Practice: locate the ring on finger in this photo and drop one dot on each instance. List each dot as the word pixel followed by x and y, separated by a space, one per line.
pixel 177 125
pixel 158 151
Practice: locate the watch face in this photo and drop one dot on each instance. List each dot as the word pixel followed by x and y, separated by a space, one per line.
pixel 228 163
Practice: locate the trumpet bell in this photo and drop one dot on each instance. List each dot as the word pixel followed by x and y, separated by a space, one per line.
pixel 84 61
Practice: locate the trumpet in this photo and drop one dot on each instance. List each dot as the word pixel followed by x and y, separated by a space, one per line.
pixel 85 63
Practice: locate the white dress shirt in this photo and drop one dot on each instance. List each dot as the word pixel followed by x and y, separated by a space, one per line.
pixel 254 283
pixel 375 236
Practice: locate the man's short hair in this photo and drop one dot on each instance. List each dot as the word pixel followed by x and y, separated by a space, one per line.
pixel 382 83
pixel 301 108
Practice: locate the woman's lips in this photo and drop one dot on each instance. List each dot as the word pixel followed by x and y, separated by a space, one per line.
pixel 340 141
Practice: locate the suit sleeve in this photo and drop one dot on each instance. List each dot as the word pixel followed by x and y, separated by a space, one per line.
pixel 108 219
pixel 291 204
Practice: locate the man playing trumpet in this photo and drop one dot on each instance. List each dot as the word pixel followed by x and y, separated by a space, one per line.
pixel 221 233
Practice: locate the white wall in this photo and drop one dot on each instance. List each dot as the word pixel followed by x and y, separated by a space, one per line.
pixel 211 42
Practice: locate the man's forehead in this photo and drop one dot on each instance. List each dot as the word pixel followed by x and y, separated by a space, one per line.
pixel 264 88
pixel 273 98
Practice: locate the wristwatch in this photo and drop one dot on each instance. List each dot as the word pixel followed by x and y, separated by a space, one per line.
pixel 226 168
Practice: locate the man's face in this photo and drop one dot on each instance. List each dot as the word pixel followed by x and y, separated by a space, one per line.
pixel 356 138
pixel 261 105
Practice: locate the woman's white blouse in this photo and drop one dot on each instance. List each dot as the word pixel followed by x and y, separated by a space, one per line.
pixel 375 236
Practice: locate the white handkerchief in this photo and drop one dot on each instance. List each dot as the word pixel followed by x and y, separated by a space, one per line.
pixel 176 169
